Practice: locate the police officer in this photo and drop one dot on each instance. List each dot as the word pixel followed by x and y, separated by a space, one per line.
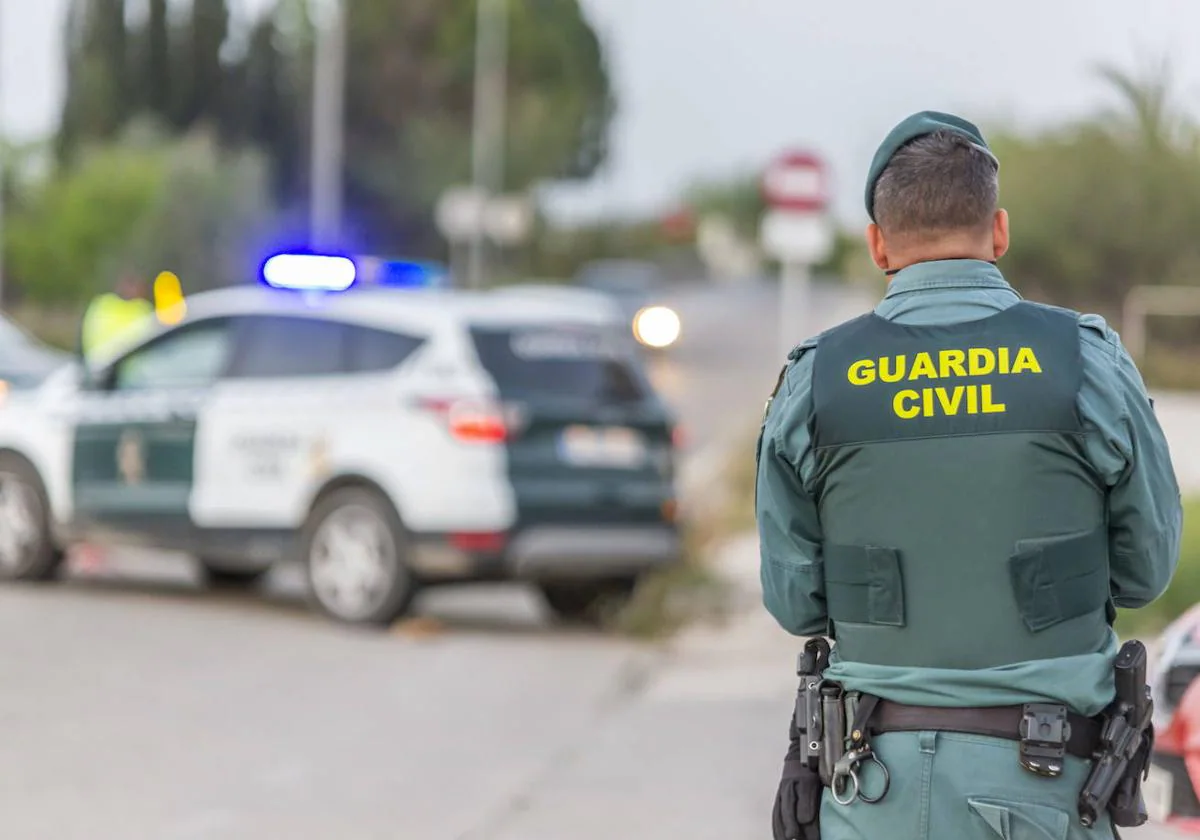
pixel 114 314
pixel 959 487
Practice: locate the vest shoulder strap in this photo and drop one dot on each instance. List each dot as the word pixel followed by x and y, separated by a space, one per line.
pixel 803 347
pixel 794 355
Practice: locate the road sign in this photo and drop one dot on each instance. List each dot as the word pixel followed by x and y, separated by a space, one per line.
pixel 796 231
pixel 797 237
pixel 460 213
pixel 795 228
pixel 463 211
pixel 508 220
pixel 796 182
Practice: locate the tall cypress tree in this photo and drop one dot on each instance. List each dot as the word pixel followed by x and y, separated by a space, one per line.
pixel 156 61
pixel 209 29
pixel 98 98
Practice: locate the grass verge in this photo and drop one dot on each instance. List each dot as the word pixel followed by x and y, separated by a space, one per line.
pixel 691 591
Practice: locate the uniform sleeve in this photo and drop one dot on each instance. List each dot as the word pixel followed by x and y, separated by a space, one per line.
pixel 789 530
pixel 1126 445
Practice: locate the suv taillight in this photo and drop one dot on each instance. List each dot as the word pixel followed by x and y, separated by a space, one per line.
pixel 470 420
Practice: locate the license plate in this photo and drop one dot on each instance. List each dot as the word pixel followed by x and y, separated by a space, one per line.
pixel 614 446
pixel 1157 790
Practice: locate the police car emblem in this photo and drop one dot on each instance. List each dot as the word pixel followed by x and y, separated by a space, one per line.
pixel 131 464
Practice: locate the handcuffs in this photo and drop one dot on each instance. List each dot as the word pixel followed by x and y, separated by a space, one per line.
pixel 845 776
pixel 845 783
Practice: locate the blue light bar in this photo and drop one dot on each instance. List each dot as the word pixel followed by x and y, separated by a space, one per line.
pixel 310 272
pixel 403 274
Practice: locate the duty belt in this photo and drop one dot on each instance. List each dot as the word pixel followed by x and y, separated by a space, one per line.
pixel 832 730
pixel 1045 731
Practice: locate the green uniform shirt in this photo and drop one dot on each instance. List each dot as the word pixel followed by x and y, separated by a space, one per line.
pixel 1123 442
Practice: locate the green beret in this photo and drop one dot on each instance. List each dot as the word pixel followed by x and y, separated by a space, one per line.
pixel 918 125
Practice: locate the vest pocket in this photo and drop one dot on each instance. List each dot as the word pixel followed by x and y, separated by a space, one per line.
pixel 1060 578
pixel 863 585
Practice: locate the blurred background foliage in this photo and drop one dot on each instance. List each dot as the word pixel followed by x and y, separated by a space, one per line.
pixel 184 140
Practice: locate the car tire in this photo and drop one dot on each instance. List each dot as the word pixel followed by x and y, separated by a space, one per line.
pixel 361 575
pixel 217 576
pixel 25 520
pixel 587 602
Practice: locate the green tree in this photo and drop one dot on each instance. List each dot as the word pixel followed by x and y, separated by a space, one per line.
pixel 1106 203
pixel 409 98
pixel 64 229
pixel 98 97
pixel 152 81
pixel 205 77
pixel 143 202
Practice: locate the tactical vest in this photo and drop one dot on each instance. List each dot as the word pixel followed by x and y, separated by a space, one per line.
pixel 964 526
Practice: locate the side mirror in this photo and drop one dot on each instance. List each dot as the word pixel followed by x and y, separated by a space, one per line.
pixel 90 379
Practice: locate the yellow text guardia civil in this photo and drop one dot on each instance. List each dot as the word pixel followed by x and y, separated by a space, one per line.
pixel 941 400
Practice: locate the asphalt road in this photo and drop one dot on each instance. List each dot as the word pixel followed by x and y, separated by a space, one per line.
pixel 136 706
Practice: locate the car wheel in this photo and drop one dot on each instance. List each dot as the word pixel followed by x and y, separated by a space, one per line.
pixel 217 576
pixel 355 550
pixel 27 550
pixel 588 601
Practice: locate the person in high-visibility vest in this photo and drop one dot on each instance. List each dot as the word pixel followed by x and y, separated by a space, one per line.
pixel 111 315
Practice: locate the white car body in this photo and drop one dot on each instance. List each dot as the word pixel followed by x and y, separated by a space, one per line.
pixel 151 447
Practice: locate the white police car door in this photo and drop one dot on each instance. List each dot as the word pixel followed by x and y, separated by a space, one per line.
pixel 270 420
pixel 304 397
pixel 133 459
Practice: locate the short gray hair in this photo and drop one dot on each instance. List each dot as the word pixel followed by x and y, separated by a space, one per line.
pixel 936 184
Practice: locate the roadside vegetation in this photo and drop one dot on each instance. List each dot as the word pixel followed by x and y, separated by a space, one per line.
pixel 692 592
pixel 1184 590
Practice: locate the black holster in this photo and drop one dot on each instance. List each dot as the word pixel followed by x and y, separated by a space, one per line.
pixel 1127 808
pixel 1122 758
pixel 797 812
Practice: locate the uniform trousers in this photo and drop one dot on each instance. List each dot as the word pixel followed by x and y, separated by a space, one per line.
pixel 952 786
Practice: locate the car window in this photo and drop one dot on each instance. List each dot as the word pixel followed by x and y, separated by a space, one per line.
pixel 563 362
pixel 281 347
pixel 379 350
pixel 190 357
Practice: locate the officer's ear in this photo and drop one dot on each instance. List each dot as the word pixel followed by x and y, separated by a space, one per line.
pixel 1000 234
pixel 877 246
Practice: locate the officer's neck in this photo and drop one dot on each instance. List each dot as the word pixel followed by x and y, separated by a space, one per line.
pixel 948 248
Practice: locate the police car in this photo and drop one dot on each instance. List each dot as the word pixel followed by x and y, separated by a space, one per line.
pixel 24 360
pixel 1172 789
pixel 388 440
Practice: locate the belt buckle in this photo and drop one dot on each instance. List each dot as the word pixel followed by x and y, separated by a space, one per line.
pixel 1044 734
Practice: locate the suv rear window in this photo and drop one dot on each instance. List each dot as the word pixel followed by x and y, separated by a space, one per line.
pixel 565 362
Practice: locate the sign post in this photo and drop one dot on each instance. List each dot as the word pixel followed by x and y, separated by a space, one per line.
pixel 797 232
pixel 467 214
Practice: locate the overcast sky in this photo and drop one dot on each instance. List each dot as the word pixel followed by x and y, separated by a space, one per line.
pixel 709 87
